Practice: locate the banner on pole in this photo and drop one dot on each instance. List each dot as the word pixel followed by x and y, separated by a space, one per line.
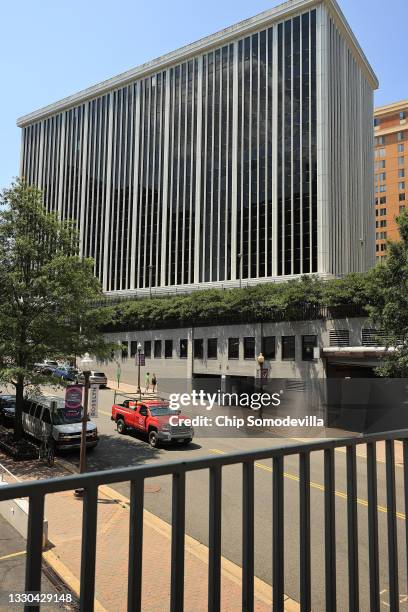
pixel 93 400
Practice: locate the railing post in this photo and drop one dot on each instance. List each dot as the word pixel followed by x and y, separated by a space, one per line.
pixel 352 529
pixel 135 545
pixel 392 526
pixel 177 541
pixel 214 552
pixel 304 510
pixel 34 547
pixel 248 537
pixel 373 550
pixel 88 550
pixel 277 534
pixel 329 530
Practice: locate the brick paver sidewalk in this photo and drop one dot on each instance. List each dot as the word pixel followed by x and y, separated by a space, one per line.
pixel 64 514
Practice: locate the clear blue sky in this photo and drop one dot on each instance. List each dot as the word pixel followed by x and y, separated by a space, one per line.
pixel 52 48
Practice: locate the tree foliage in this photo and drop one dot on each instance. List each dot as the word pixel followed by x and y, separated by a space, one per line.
pixel 45 292
pixel 291 301
pixel 389 303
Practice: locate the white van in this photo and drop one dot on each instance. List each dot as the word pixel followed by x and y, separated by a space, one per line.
pixel 45 416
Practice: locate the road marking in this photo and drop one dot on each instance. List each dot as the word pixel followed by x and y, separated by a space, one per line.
pixel 16 554
pixel 344 451
pixel 315 485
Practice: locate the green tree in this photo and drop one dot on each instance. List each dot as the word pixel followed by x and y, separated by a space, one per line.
pixel 46 288
pixel 389 303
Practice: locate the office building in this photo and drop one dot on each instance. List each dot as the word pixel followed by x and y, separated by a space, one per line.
pixel 245 156
pixel 390 171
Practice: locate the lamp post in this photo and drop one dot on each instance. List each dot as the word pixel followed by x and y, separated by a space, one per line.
pixel 85 365
pixel 261 360
pixel 139 348
pixel 239 257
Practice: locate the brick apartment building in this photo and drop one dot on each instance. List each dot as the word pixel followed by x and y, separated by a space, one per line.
pixel 390 171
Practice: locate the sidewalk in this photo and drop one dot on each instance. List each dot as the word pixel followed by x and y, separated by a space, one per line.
pixel 64 514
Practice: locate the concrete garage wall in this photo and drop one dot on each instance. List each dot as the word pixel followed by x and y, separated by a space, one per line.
pixel 179 368
pixel 15 512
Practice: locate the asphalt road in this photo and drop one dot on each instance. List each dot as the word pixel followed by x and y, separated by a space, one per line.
pixel 116 450
pixel 12 572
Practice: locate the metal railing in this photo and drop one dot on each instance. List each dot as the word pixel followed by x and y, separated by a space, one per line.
pixel 36 491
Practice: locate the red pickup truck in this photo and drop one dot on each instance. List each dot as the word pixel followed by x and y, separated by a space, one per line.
pixel 152 417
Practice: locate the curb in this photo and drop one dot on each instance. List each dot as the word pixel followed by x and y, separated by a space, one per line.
pixel 67 577
pixel 262 590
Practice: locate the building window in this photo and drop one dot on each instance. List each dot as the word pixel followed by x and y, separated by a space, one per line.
pixel 401 197
pixel 401 185
pixel 133 348
pixel 382 223
pixel 157 349
pixel 288 347
pixel 402 115
pixel 233 348
pixel 401 136
pixel 383 247
pixel 382 176
pixel 198 348
pixel 212 348
pixel 168 349
pixel 383 188
pixel 401 173
pixel 148 348
pixel 377 247
pixel 249 347
pixel 376 122
pixel 379 140
pixel 183 348
pixel 308 344
pixel 401 160
pixel 381 235
pixel 402 208
pixel 401 147
pixel 383 199
pixel 379 164
pixel 383 212
pixel 269 347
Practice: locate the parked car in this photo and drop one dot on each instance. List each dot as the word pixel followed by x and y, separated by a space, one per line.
pixel 66 373
pixel 48 366
pixel 151 417
pixel 7 409
pixel 45 416
pixel 96 378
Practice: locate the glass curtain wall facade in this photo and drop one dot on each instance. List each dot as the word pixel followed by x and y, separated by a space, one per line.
pixel 206 171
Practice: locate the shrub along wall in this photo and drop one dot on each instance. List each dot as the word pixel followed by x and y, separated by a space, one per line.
pixel 307 298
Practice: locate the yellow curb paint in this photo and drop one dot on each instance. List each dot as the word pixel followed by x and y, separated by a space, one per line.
pixel 315 485
pixel 67 577
pixel 11 555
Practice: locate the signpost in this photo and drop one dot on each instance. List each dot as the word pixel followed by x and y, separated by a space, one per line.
pixel 142 360
pixel 118 373
pixel 93 399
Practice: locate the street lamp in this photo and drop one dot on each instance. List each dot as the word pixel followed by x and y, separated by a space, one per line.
pixel 85 365
pixel 261 360
pixel 239 257
pixel 139 348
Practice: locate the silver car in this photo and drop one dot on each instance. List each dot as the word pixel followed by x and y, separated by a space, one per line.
pixel 96 378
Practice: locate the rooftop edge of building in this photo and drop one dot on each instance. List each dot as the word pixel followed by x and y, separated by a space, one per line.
pixel 391 107
pixel 203 45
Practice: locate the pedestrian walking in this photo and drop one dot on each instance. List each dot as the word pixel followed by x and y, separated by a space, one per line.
pixel 147 382
pixel 154 382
